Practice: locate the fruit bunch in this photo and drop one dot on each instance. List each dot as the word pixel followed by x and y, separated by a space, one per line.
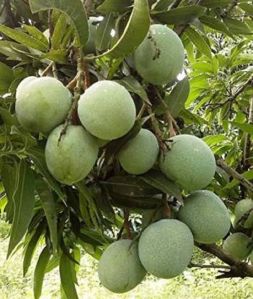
pixel 107 113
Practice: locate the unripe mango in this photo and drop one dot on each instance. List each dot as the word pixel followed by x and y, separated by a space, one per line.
pixel 160 57
pixel 139 154
pixel 165 248
pixel 41 103
pixel 22 84
pixel 107 110
pixel 119 267
pixel 71 158
pixel 206 215
pixel 243 207
pixel 237 245
pixel 190 163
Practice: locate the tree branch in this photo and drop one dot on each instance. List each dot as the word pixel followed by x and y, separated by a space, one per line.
pixel 237 268
pixel 246 183
pixel 193 265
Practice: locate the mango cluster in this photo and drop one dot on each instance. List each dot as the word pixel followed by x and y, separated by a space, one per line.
pixel 107 112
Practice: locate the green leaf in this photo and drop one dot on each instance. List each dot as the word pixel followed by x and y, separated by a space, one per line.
pixel 248 8
pixel 162 5
pixel 132 85
pixel 6 77
pixel 49 206
pixel 247 175
pixel 237 27
pixel 40 271
pixel 215 3
pixel 176 99
pixel 199 41
pixel 129 186
pixel 215 24
pixel 23 204
pixel 109 6
pixel 135 31
pixel 30 248
pixel 159 181
pixel 23 38
pixel 180 15
pixel 247 128
pixel 58 56
pixel 75 11
pixel 103 32
pixel 190 117
pixel 8 176
pixel 38 157
pixel 59 32
pixel 37 34
pixel 67 282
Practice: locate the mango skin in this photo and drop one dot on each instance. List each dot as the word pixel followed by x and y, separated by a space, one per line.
pixel 42 104
pixel 241 208
pixel 206 216
pixel 22 84
pixel 237 245
pixel 165 248
pixel 71 159
pixel 139 154
pixel 159 59
pixel 107 110
pixel 119 267
pixel 190 163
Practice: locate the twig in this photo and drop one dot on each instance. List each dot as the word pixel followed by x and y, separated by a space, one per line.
pixel 156 128
pixel 47 69
pixel 72 116
pixel 246 183
pixel 193 265
pixel 247 143
pixel 237 268
pixel 175 4
pixel 126 224
pixel 142 110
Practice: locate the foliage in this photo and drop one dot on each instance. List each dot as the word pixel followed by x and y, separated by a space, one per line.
pixel 48 38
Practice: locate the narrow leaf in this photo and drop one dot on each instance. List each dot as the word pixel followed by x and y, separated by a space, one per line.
pixel 215 24
pixel 30 248
pixel 247 128
pixel 23 204
pixel 49 207
pixel 176 99
pixel 40 271
pixel 103 32
pixel 159 181
pixel 180 15
pixel 215 3
pixel 23 38
pixel 135 31
pixel 59 32
pixel 113 6
pixel 66 270
pixel 198 40
pixel 237 27
pixel 75 11
pixel 132 85
pixel 38 157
